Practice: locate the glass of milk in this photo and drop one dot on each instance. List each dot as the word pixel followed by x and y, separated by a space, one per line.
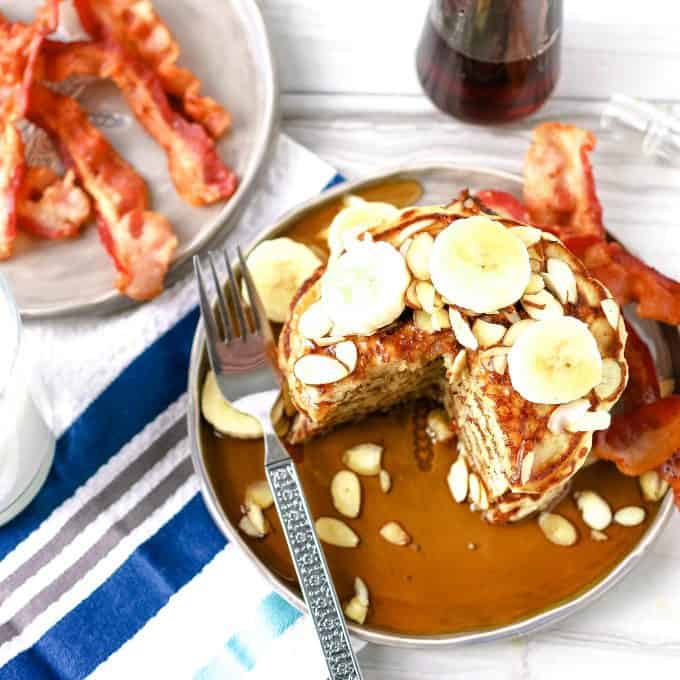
pixel 26 437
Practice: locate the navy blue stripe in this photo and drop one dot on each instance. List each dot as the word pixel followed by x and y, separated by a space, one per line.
pixel 337 179
pixel 153 381
pixel 134 593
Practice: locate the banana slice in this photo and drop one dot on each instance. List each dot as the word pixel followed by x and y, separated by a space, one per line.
pixel 555 361
pixel 364 289
pixel 223 416
pixel 355 219
pixel 478 264
pixel 279 267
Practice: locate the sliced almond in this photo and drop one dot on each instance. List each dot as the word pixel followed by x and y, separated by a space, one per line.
pixel 666 387
pixel 426 293
pixel 394 533
pixel 458 365
pixel 314 322
pixel 319 369
pixel 356 611
pixel 612 379
pixel 510 315
pixel 461 329
pixel 346 493
pixel 474 488
pixel 535 284
pixel 336 532
pixel 439 425
pixel 536 264
pixel 440 320
pixel 516 330
pixel 630 516
pixel 423 321
pixel 256 516
pixel 527 467
pixel 612 311
pixel 495 359
pixel 364 459
pixel 403 248
pixel 361 591
pixel 457 480
pixel 594 509
pixel 557 529
pixel 653 486
pixel 347 353
pixel 248 528
pixel 566 415
pixel 415 228
pixel 260 494
pixel 591 422
pixel 483 499
pixel 418 255
pixel 330 340
pixel 487 333
pixel 528 235
pixel 411 296
pixel 542 305
pixel 385 481
pixel 560 280
pixel 589 291
pixel 598 535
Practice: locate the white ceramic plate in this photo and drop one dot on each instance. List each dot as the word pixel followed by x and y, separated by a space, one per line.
pixel 225 43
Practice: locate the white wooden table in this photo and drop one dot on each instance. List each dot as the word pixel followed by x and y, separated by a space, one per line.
pixel 349 93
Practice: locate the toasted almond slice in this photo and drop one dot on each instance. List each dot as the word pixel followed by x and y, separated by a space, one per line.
pixel 439 425
pixel 536 264
pixel 346 493
pixel 364 459
pixel 474 488
pixel 598 535
pixel 394 533
pixel 594 509
pixel 611 311
pixel 418 256
pixel 256 516
pixel 335 532
pixel 510 315
pixel 330 340
pixel 542 305
pixel 385 481
pixel 411 296
pixel 440 320
pixel 495 359
pixel 560 280
pixel 630 516
pixel 535 284
pixel 591 422
pixel 356 611
pixel 483 498
pixel 567 414
pixel 314 322
pixel 347 353
pixel 415 228
pixel 516 330
pixel 527 467
pixel 361 591
pixel 248 528
pixel 319 369
pixel 487 333
pixel 425 293
pixel 260 494
pixel 557 529
pixel 589 291
pixel 403 248
pixel 457 480
pixel 423 321
pixel 666 387
pixel 458 365
pixel 528 235
pixel 461 329
pixel 612 379
pixel 653 486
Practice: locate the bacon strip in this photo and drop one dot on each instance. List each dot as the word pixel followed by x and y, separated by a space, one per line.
pixel 643 382
pixel 135 25
pixel 19 47
pixel 50 206
pixel 140 242
pixel 199 175
pixel 504 204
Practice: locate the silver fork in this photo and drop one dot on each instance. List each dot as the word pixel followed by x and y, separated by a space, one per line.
pixel 244 363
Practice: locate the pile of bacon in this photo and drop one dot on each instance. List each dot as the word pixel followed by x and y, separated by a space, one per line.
pixel 131 46
pixel 559 196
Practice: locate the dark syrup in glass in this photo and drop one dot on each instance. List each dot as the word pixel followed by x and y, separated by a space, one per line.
pixel 490 61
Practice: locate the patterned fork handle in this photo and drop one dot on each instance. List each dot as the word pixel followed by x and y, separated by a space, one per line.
pixel 311 568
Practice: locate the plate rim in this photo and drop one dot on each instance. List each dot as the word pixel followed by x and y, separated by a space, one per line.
pixel 114 301
pixel 519 628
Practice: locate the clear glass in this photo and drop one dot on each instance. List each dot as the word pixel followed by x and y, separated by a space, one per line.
pixel 26 437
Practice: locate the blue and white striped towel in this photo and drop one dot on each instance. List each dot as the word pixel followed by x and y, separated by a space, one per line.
pixel 116 570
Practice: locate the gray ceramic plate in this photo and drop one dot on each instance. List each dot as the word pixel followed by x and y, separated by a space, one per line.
pixel 439 183
pixel 225 43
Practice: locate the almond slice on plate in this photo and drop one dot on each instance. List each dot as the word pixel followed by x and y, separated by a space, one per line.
pixel 248 528
pixel 394 533
pixel 566 414
pixel 594 509
pixel 335 532
pixel 560 280
pixel 458 480
pixel 653 486
pixel 487 333
pixel 347 353
pixel 314 322
pixel 630 516
pixel 592 421
pixel 612 311
pixel 418 256
pixel 319 369
pixel 438 425
pixel 461 329
pixel 364 459
pixel 260 494
pixel 458 365
pixel 425 293
pixel 542 305
pixel 346 493
pixel 557 529
pixel 612 379
pixel 385 481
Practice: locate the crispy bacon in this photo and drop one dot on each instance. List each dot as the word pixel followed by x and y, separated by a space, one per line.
pixel 504 204
pixel 559 188
pixel 19 47
pixel 198 173
pixel 50 206
pixel 135 25
pixel 140 242
pixel 643 382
